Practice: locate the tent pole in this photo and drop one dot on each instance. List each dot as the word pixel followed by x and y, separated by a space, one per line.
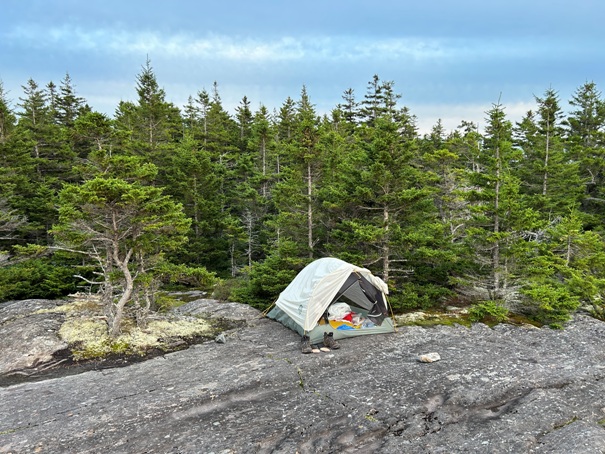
pixel 266 311
pixel 392 315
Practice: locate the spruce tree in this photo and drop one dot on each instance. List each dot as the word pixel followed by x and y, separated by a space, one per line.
pixel 497 211
pixel 585 133
pixel 551 179
pixel 50 162
pixel 256 187
pixel 380 100
pixel 7 116
pixel 385 216
pixel 68 105
pixel 350 107
pixel 285 134
pixel 93 131
pixel 342 161
pixel 193 179
pixel 299 166
pixel 446 159
pixel 262 140
pixel 151 125
pixel 10 219
pixel 243 116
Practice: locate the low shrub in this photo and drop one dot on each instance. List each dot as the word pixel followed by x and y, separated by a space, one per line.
pixel 488 312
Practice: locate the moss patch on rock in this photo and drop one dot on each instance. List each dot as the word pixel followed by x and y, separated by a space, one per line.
pixel 457 316
pixel 85 331
pixel 88 338
pixel 433 318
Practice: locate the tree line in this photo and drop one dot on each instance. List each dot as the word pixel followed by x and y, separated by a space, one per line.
pixel 505 219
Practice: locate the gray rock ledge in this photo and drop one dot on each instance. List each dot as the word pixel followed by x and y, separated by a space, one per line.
pixel 502 390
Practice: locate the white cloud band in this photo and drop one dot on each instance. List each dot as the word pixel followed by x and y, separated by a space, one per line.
pixel 252 49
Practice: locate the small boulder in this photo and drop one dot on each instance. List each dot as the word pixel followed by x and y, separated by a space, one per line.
pixel 429 357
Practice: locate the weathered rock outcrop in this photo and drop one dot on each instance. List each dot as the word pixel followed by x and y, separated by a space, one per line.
pixel 503 390
pixel 29 339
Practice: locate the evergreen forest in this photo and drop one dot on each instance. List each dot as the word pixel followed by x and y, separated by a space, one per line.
pixel 507 219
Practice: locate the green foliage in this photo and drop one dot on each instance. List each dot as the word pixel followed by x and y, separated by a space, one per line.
pixel 266 280
pixel 164 302
pixel 409 296
pixel 488 312
pixel 554 301
pixel 197 277
pixel 142 211
pixel 238 204
pixel 123 227
pixel 225 289
pixel 38 278
pixel 263 286
pixel 564 270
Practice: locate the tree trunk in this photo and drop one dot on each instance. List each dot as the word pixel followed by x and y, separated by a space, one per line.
pixel 118 312
pixel 263 150
pixel 310 210
pixel 386 265
pixel 196 215
pixel 232 255
pixel 546 156
pixel 249 223
pixel 107 293
pixel 128 284
pixel 568 252
pixel 496 250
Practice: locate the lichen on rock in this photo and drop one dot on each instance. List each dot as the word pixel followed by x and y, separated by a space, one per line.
pixel 88 337
pixel 40 333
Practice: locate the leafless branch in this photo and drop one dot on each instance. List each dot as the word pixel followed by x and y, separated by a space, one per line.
pixel 88 281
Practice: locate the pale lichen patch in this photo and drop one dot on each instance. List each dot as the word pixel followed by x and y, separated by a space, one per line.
pixel 86 333
pixel 180 328
pixel 88 337
pixel 77 304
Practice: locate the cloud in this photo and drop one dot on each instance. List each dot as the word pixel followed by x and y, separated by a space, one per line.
pixel 451 115
pixel 439 76
pixel 251 49
pixel 172 46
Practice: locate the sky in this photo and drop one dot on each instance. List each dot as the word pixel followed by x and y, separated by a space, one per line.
pixel 449 60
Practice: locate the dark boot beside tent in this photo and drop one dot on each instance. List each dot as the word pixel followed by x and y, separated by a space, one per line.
pixel 313 302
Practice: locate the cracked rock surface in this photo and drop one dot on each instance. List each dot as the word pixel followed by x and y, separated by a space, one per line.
pixel 503 390
pixel 28 339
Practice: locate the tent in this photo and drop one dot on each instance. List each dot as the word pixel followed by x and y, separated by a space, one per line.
pixel 303 305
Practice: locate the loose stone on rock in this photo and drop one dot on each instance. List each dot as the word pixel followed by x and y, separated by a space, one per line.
pixel 429 357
